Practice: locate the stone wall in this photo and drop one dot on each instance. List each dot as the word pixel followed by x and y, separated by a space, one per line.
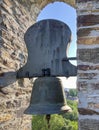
pixel 15 17
pixel 88 64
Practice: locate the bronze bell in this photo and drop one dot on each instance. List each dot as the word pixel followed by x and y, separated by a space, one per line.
pixel 47 97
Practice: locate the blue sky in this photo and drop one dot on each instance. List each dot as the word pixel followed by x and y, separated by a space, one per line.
pixel 66 14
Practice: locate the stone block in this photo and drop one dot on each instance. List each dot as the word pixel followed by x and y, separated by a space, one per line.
pixel 87 76
pixel 87 67
pixel 88 40
pixel 88 20
pixel 5 117
pixel 95 86
pixel 83 67
pixel 89 55
pixel 93 105
pixel 82 85
pixel 83 1
pixel 85 32
pixel 86 111
pixel 20 112
pixel 88 124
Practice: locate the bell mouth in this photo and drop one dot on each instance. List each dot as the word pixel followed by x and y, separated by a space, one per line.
pixel 47 109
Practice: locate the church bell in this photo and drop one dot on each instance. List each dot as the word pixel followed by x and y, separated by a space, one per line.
pixel 48 97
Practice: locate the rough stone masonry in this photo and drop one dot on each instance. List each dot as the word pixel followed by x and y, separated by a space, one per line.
pixel 15 17
pixel 88 63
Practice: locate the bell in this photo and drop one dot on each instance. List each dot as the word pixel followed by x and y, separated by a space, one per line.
pixel 47 97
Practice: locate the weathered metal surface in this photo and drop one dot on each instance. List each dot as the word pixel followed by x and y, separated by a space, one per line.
pixel 47 43
pixel 47 97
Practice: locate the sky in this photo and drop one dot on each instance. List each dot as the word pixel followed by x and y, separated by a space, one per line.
pixel 67 14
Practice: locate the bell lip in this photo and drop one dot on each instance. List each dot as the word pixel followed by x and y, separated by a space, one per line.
pixel 40 110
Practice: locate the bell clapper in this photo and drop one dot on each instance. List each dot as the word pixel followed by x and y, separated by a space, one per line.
pixel 48 116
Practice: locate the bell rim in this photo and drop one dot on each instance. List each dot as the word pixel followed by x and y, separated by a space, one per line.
pixel 50 109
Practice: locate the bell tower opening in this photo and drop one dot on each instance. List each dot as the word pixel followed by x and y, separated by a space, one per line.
pixel 65 13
